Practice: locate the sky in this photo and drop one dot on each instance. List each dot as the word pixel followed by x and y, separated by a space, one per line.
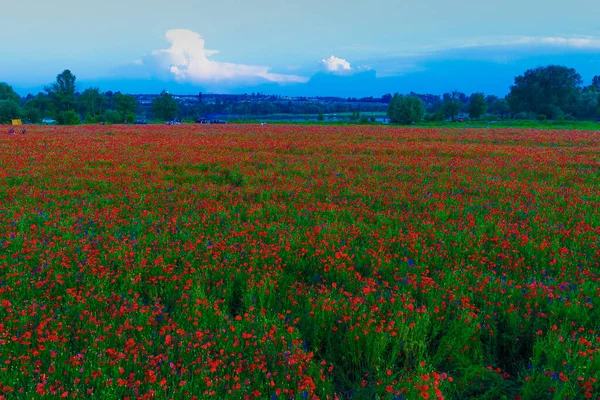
pixel 313 47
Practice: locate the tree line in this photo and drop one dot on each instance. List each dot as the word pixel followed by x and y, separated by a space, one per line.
pixel 542 93
pixel 62 103
pixel 550 92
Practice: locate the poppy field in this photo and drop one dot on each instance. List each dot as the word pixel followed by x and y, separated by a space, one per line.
pixel 299 262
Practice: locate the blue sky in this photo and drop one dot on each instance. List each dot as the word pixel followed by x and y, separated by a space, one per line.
pixel 309 47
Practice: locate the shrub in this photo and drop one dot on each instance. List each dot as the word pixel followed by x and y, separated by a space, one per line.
pixel 112 117
pixel 68 118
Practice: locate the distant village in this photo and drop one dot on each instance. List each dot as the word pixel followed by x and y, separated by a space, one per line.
pixel 212 98
pixel 230 106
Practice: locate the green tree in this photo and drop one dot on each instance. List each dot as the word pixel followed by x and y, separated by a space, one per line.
pixel 9 110
pixel 36 107
pixel 405 109
pixel 62 93
pixel 451 105
pixel 7 93
pixel 551 90
pixel 32 114
pixel 436 116
pixel 126 106
pixel 112 117
pixel 588 104
pixel 477 105
pixel 68 118
pixel 499 107
pixel 596 83
pixel 164 107
pixel 92 102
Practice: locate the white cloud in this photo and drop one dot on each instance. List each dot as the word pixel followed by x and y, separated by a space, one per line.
pixel 335 64
pixel 498 50
pixel 189 61
pixel 582 42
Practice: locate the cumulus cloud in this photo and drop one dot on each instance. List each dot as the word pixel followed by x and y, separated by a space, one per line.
pixel 188 60
pixel 335 64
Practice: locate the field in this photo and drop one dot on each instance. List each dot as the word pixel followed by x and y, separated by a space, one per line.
pixel 301 262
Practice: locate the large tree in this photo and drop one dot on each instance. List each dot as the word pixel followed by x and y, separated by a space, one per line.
pixel 451 105
pixel 9 110
pixel 549 91
pixel 405 109
pixel 36 107
pixel 596 83
pixel 126 106
pixel 588 105
pixel 498 106
pixel 164 107
pixel 477 105
pixel 92 102
pixel 7 93
pixel 62 92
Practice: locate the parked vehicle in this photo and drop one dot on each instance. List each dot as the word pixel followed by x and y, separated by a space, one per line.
pixel 140 122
